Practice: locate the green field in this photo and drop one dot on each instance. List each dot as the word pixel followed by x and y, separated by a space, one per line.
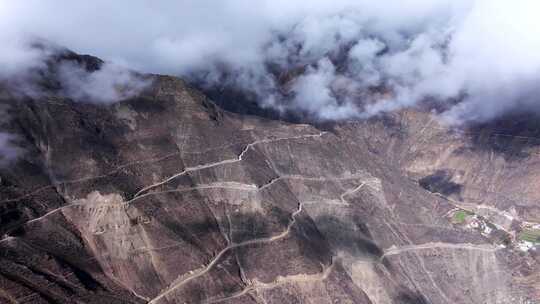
pixel 530 235
pixel 460 216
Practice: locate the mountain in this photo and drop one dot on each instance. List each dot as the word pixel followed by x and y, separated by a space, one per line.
pixel 166 198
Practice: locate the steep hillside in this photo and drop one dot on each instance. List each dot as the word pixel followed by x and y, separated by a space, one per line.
pixel 166 198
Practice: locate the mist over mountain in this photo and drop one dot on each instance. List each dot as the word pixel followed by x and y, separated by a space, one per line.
pixel 483 54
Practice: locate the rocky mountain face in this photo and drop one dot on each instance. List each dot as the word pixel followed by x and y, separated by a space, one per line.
pixel 167 198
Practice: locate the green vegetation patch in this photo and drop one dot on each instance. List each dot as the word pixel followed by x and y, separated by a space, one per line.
pixel 530 235
pixel 460 216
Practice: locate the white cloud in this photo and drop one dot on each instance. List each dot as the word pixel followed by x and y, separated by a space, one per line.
pixel 108 84
pixel 314 93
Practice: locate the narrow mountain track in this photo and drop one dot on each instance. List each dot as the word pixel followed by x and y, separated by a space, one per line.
pixel 394 250
pixel 218 185
pixel 218 256
pixel 223 162
pixel 153 160
pixel 293 279
pixel 349 192
pixel 90 178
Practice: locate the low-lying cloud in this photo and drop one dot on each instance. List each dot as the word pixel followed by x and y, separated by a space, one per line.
pixel 108 84
pixel 8 149
pixel 336 59
pixel 31 62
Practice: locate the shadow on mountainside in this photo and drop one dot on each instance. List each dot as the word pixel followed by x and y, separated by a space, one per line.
pixel 510 136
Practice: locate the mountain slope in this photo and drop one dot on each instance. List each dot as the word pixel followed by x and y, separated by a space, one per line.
pixel 166 198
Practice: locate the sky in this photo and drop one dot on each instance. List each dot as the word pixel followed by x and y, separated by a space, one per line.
pixel 484 53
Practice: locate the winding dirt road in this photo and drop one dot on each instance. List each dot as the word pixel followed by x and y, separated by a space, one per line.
pixel 223 162
pixel 394 250
pixel 215 260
